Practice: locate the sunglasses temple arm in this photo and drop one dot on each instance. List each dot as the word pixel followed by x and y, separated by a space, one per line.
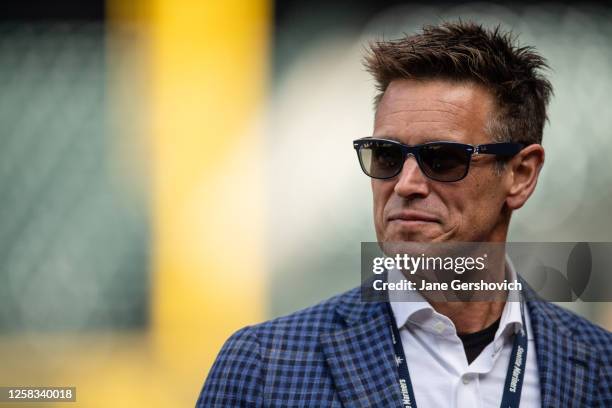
pixel 500 149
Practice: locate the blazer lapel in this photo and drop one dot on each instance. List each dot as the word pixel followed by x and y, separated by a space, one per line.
pixel 566 366
pixel 360 357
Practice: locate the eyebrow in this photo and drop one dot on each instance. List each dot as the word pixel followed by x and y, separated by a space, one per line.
pixel 396 139
pixel 426 140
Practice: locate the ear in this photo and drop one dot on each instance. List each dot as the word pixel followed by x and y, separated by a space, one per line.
pixel 524 169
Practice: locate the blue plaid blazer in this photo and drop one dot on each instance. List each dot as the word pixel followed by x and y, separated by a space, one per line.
pixel 339 354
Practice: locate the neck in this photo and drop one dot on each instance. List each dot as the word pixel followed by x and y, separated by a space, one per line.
pixel 470 317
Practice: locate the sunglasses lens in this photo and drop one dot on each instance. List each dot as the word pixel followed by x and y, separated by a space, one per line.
pixel 381 159
pixel 444 161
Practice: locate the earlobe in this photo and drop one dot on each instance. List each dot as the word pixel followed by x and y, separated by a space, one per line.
pixel 525 169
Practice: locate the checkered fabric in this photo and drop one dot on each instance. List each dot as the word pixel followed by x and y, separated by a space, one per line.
pixel 339 354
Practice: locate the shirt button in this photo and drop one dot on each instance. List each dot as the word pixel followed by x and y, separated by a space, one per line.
pixel 439 326
pixel 466 379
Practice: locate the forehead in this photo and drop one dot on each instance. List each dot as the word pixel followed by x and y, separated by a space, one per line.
pixel 427 110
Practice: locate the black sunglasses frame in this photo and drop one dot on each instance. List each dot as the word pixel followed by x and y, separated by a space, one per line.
pixel 506 149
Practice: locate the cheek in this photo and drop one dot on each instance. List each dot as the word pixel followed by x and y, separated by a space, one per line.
pixel 475 207
pixel 462 203
pixel 381 191
pixel 454 204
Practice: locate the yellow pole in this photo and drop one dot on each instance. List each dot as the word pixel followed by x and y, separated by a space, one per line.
pixel 207 69
pixel 208 75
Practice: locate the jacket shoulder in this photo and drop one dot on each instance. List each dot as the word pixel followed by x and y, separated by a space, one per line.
pixel 239 372
pixel 582 329
pixel 233 378
pixel 318 318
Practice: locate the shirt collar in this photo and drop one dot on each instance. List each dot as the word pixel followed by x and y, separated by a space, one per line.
pixel 413 308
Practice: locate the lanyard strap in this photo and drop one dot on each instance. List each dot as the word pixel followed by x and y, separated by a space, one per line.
pixel 514 377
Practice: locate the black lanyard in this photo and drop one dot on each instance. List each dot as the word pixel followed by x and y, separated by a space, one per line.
pixel 514 377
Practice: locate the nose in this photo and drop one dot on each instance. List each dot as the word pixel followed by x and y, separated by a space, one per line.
pixel 411 181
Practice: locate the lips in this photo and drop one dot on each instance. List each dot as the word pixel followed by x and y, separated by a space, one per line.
pixel 414 216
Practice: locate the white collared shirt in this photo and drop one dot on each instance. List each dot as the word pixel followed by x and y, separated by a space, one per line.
pixel 438 366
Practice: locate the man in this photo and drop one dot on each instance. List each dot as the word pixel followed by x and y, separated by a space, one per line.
pixel 443 92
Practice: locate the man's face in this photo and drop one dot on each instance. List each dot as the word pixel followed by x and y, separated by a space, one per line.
pixel 412 207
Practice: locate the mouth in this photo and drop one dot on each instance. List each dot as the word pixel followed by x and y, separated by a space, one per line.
pixel 412 217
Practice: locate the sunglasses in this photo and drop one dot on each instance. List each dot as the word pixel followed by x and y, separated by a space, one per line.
pixel 440 161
